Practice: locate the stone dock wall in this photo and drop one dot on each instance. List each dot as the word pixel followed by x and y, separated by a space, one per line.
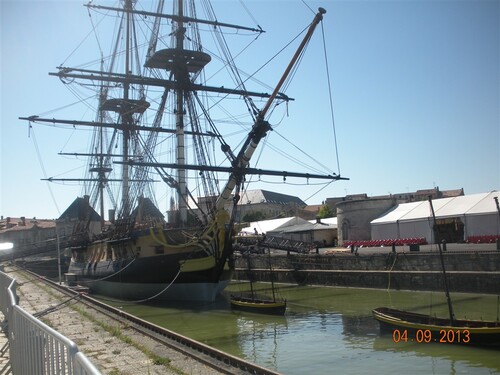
pixel 474 272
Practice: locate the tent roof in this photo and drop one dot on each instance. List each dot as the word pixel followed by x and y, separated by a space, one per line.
pixel 396 213
pixel 423 210
pixel 328 220
pixel 265 226
pixel 484 204
pixel 474 204
pixel 308 227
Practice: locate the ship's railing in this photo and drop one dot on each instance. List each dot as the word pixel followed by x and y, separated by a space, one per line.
pixel 34 347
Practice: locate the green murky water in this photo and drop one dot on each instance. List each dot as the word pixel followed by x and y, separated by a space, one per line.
pixel 331 331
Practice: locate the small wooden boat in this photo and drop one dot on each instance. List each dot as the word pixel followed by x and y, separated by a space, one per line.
pixel 413 327
pixel 408 326
pixel 257 305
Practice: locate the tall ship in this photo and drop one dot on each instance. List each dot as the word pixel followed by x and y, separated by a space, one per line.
pixel 157 122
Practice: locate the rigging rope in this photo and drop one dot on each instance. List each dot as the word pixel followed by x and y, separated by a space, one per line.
pixel 94 29
pixel 55 307
pixel 83 40
pixel 149 298
pixel 228 57
pixel 113 274
pixel 331 98
pixel 390 271
pixel 301 151
pixel 312 11
pixel 32 132
pixel 161 292
pixel 317 192
pixel 249 14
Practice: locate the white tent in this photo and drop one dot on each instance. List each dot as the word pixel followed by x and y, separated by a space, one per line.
pixel 296 228
pixel 265 226
pixel 329 220
pixel 477 212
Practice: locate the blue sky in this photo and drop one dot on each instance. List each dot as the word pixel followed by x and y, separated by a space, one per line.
pixel 415 91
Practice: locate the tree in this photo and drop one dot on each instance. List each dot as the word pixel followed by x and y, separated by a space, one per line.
pixel 325 211
pixel 254 216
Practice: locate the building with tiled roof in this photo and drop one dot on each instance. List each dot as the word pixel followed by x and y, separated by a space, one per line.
pixel 23 232
pixel 268 203
pixel 79 219
pixel 255 205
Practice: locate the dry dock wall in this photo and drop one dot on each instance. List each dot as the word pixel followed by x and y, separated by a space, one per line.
pixel 467 272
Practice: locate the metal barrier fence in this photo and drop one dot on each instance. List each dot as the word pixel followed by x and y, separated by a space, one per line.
pixel 34 347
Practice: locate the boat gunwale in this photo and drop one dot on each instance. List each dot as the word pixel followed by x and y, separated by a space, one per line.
pixel 483 327
pixel 257 303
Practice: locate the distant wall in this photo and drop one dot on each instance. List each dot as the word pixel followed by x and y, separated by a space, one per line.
pixel 354 217
pixel 471 272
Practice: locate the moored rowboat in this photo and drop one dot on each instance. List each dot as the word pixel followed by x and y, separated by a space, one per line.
pixel 413 327
pixel 263 306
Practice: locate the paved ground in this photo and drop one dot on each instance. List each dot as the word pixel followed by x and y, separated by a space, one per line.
pixel 113 348
pixel 4 354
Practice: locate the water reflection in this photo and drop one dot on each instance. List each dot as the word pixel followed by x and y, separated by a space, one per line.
pixel 329 330
pixel 359 331
pixel 442 355
pixel 259 337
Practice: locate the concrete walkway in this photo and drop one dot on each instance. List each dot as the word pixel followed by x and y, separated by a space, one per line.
pixel 112 347
pixel 4 353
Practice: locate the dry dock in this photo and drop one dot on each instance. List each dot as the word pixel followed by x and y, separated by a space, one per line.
pixel 469 268
pixel 114 344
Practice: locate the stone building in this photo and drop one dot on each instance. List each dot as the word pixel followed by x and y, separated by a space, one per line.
pixel 354 217
pixel 269 203
pixel 24 233
pixel 256 205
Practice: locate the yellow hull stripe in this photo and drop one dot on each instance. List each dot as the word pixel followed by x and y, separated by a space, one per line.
pixel 199 264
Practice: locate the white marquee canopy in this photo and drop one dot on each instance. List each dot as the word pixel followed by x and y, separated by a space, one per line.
pixel 478 213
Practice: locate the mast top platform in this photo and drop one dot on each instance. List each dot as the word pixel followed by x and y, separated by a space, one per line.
pixel 125 106
pixel 175 59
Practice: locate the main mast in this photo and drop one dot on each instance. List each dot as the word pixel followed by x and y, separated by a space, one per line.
pixel 126 116
pixel 101 169
pixel 181 63
pixel 180 76
pixel 128 106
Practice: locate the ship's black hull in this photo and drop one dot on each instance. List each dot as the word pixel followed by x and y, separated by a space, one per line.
pixel 160 277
